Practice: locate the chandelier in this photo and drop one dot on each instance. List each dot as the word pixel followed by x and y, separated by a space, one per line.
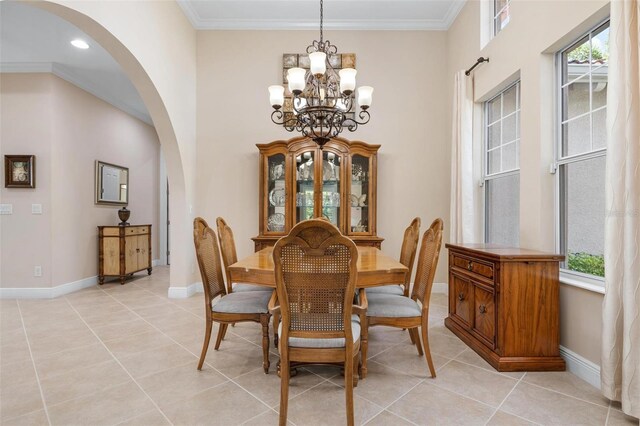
pixel 322 98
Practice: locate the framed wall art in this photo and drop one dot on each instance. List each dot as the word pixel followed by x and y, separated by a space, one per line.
pixel 19 171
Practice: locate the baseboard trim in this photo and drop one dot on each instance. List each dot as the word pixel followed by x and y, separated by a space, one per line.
pixel 581 367
pixel 47 293
pixel 156 262
pixel 185 292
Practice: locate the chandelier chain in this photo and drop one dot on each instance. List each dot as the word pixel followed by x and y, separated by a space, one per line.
pixel 321 20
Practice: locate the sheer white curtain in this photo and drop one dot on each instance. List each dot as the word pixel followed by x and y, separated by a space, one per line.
pixel 620 372
pixel 462 204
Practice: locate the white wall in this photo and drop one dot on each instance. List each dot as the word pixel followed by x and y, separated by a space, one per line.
pixel 68 129
pixel 407 70
pixel 525 49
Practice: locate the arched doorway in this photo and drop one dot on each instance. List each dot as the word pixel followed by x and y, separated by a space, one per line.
pixel 155 46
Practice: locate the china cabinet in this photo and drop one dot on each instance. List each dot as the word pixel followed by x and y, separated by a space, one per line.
pixel 300 181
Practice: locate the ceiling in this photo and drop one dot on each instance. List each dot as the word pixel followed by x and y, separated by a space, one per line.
pixel 305 14
pixel 33 40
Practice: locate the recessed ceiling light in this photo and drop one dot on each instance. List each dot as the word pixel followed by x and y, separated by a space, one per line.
pixel 80 44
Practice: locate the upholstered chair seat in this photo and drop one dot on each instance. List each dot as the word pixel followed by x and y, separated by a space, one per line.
pixel 303 342
pixel 395 289
pixel 392 306
pixel 240 287
pixel 245 302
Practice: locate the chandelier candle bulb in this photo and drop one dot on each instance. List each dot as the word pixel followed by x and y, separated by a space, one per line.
pixel 318 62
pixel 296 79
pixel 347 80
pixel 276 96
pixel 365 96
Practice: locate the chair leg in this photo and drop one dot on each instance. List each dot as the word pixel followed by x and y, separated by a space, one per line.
pixel 205 346
pixel 356 369
pixel 276 323
pixel 411 336
pixel 416 338
pixel 221 331
pixel 284 389
pixel 364 346
pixel 348 388
pixel 264 320
pixel 427 351
pixel 224 332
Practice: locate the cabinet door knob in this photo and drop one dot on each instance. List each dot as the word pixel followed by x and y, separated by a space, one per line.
pixel 470 265
pixel 461 296
pixel 482 309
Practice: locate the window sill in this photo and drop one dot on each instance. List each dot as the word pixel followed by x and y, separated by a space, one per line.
pixel 585 284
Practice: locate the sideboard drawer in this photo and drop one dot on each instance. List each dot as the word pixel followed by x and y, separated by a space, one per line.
pixel 137 230
pixel 485 315
pixel 474 266
pixel 461 305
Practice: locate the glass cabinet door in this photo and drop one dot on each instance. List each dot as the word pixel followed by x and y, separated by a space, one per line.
pixel 359 195
pixel 276 193
pixel 305 186
pixel 331 163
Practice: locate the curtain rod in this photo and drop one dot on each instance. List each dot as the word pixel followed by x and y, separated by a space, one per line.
pixel 478 62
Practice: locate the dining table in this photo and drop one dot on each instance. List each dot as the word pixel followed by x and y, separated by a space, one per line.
pixel 375 268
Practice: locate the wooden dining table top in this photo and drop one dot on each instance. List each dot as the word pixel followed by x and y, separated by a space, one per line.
pixel 374 269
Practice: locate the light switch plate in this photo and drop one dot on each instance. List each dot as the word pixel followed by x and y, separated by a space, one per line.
pixel 36 208
pixel 6 208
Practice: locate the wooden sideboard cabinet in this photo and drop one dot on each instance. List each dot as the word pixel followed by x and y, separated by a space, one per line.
pixel 123 250
pixel 300 181
pixel 503 303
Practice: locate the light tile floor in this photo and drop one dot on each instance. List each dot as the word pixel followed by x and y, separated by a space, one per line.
pixel 127 355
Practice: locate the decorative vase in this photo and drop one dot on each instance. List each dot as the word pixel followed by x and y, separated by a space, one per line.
pixel 124 214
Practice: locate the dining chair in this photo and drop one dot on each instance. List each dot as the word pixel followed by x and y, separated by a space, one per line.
pixel 409 312
pixel 315 267
pixel 407 258
pixel 232 307
pixel 230 256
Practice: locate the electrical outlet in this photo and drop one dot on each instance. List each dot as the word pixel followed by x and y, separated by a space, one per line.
pixel 37 271
pixel 6 208
pixel 36 208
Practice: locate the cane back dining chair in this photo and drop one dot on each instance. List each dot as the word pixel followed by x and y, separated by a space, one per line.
pixel 315 268
pixel 230 256
pixel 409 312
pixel 407 258
pixel 230 308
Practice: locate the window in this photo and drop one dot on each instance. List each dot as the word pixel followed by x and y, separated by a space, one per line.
pixel 581 152
pixel 501 167
pixel 500 15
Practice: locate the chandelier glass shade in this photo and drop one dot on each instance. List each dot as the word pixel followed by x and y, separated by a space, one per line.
pixel 323 100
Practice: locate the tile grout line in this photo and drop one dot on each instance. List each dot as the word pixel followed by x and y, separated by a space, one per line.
pixel 119 363
pixel 229 379
pixel 567 395
pixel 505 399
pixel 606 421
pixel 422 381
pixel 33 364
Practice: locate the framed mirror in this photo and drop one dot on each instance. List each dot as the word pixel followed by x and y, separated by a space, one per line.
pixel 112 184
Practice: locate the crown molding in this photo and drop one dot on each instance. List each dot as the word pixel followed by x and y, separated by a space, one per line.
pixel 68 75
pixel 200 23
